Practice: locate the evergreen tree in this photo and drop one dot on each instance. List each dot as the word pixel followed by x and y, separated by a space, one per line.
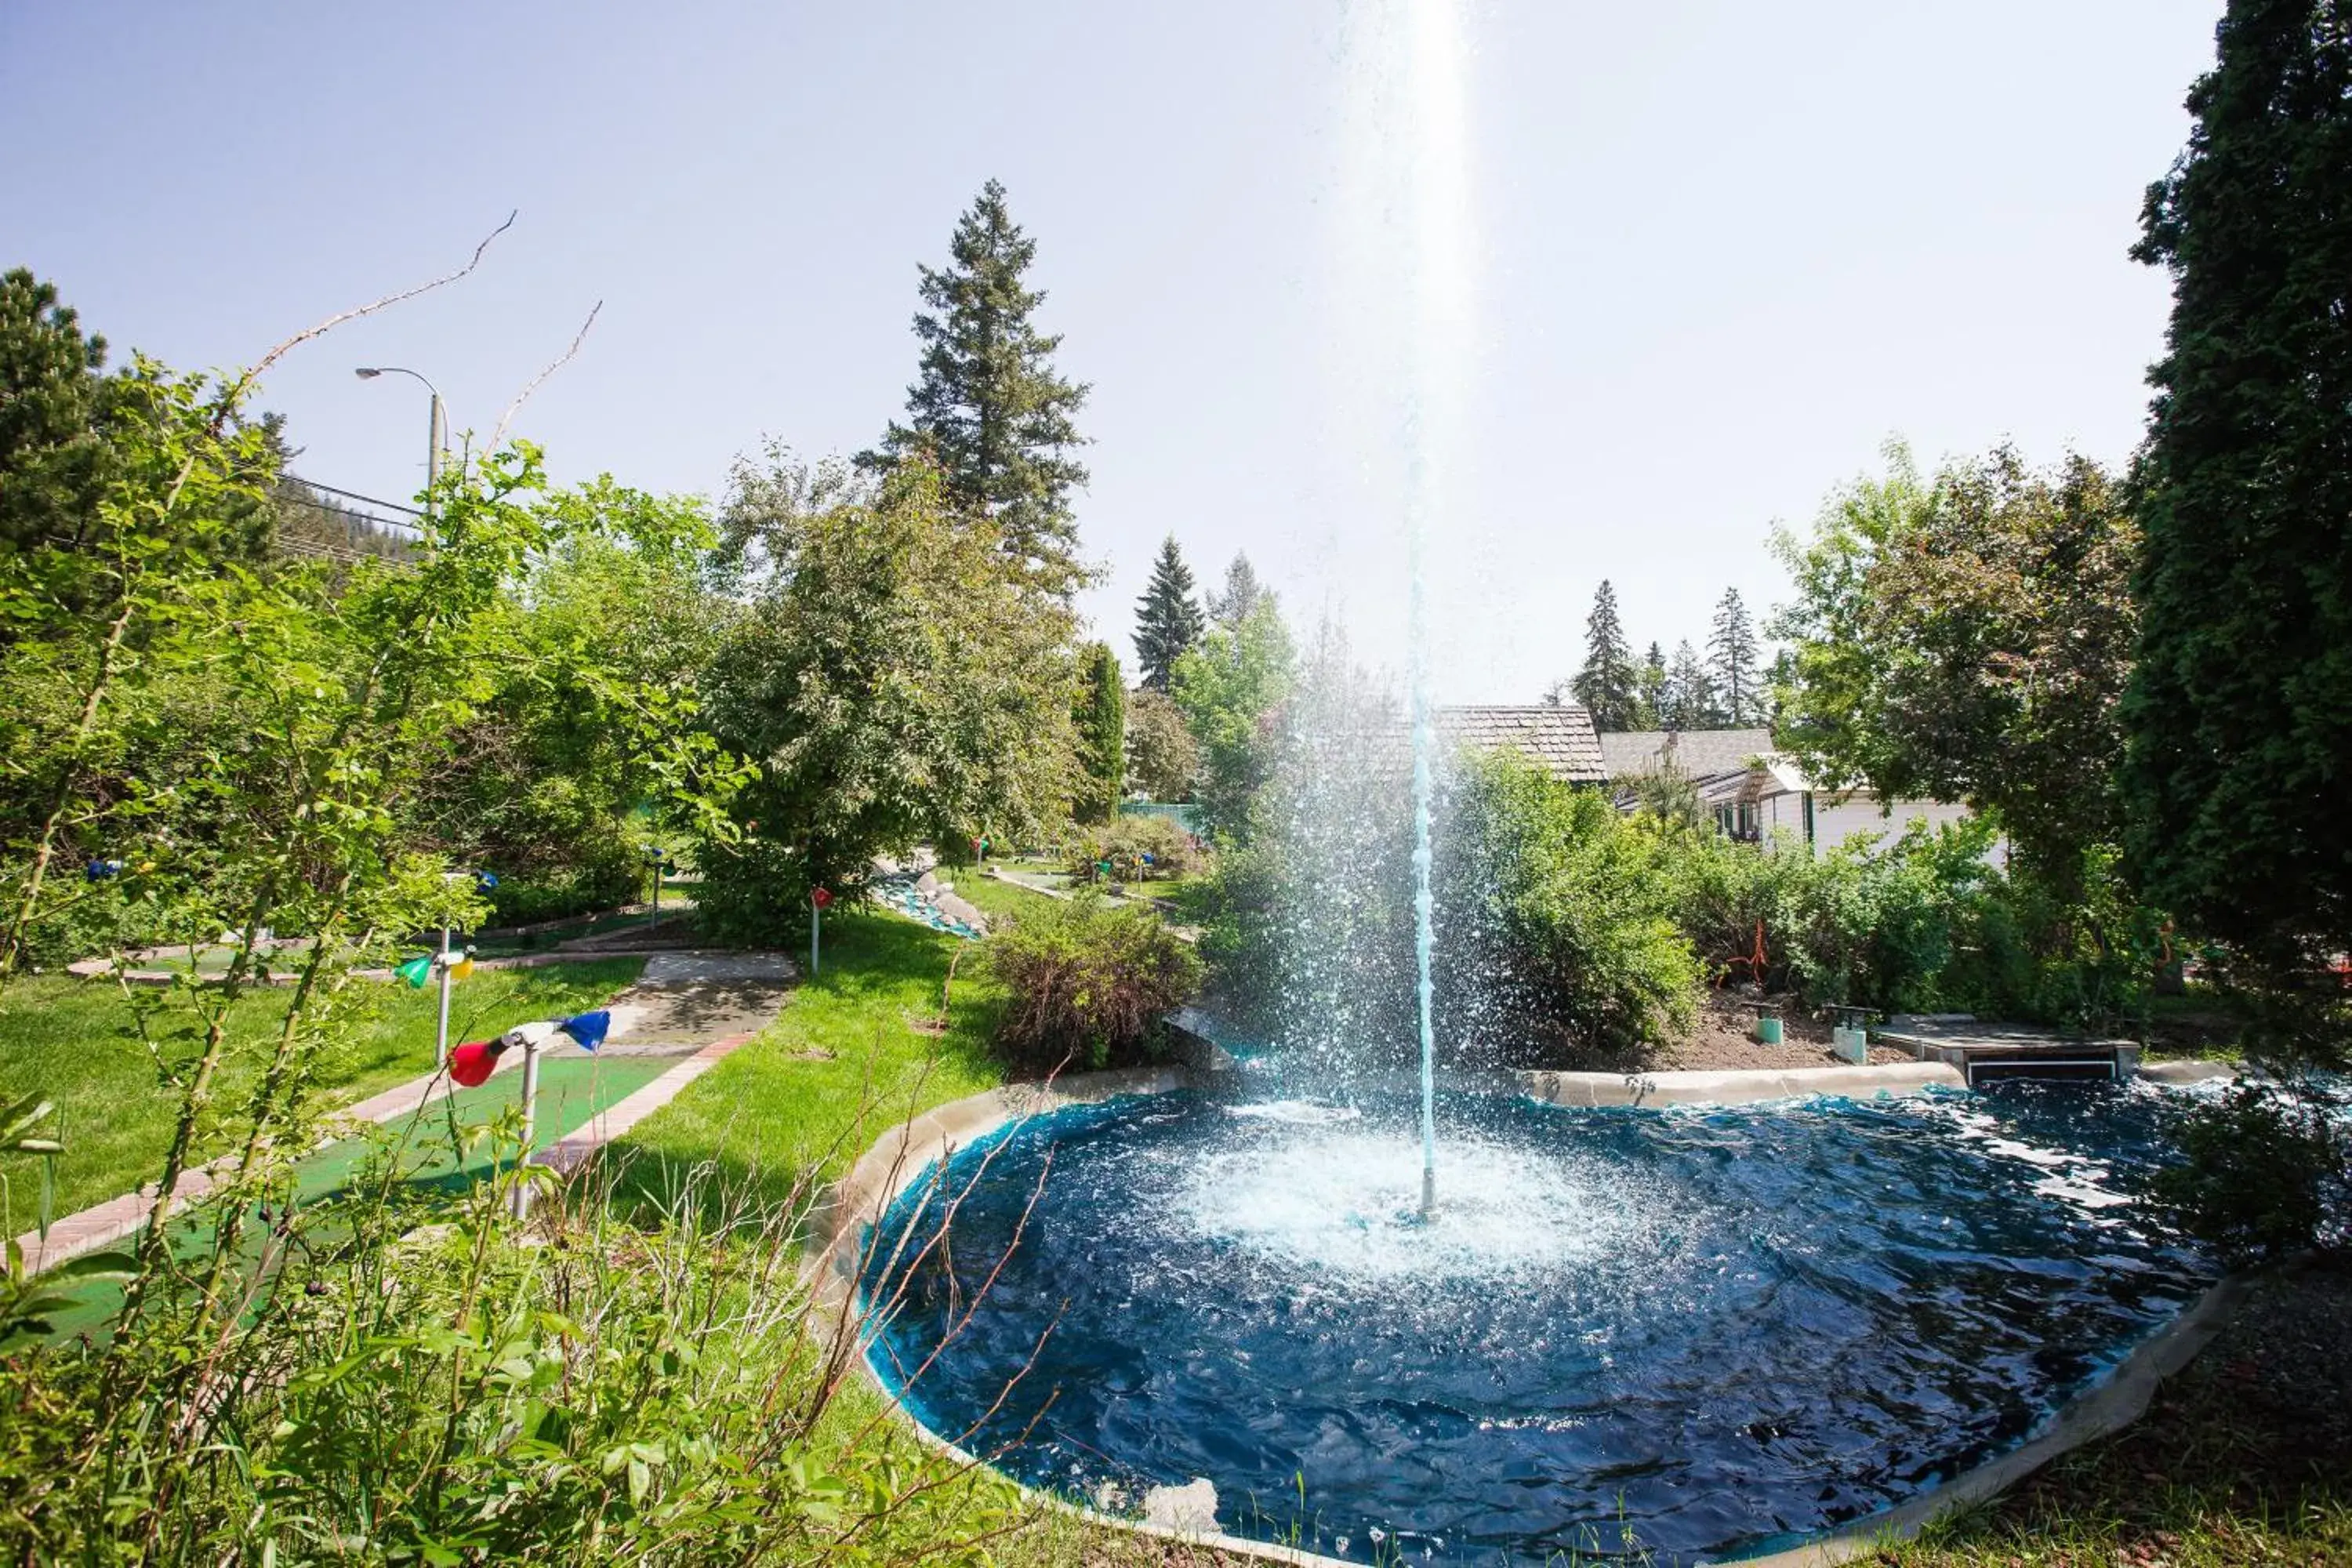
pixel 53 454
pixel 1168 619
pixel 1242 595
pixel 1689 702
pixel 1605 684
pixel 1731 662
pixel 989 408
pixel 1102 734
pixel 2238 717
pixel 1650 690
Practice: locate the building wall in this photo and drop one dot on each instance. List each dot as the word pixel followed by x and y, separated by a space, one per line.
pixel 1836 819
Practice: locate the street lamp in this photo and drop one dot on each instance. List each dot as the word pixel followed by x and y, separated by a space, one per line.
pixel 436 436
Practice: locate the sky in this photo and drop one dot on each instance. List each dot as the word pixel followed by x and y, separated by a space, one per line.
pixel 1712 256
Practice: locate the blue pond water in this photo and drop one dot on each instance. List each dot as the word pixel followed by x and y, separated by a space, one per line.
pixel 1700 1331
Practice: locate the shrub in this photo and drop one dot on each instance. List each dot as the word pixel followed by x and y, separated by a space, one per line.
pixel 2262 1170
pixel 1088 986
pixel 1138 848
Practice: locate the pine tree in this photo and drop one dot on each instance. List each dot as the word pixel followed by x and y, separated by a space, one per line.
pixel 2237 803
pixel 1168 619
pixel 1242 593
pixel 1650 690
pixel 1731 662
pixel 53 454
pixel 1690 701
pixel 1605 684
pixel 1102 734
pixel 989 409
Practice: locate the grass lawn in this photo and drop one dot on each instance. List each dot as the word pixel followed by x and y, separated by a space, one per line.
pixel 854 1051
pixel 76 1042
pixel 994 898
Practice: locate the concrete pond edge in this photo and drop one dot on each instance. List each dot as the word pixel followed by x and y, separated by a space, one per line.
pixel 906 1154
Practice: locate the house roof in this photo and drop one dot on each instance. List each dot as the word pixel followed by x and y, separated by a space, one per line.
pixel 1559 737
pixel 1699 754
pixel 1774 774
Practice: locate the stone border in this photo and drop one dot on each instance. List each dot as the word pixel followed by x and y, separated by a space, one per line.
pixel 906 1154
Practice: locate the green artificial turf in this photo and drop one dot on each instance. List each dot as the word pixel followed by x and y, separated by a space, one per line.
pixel 76 1042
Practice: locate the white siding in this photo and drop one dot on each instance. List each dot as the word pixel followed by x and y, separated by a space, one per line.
pixel 1837 818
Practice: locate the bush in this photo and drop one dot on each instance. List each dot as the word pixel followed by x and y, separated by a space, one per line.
pixel 1138 848
pixel 1089 985
pixel 2262 1172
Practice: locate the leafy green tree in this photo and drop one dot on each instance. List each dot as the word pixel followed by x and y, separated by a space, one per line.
pixel 1241 595
pixel 1731 660
pixel 989 410
pixel 1230 689
pixel 889 673
pixel 1606 684
pixel 1968 639
pixel 1161 757
pixel 1101 723
pixel 1168 618
pixel 1689 699
pixel 2238 718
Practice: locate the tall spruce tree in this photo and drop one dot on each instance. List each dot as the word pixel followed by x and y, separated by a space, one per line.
pixel 1690 698
pixel 1102 734
pixel 2237 719
pixel 1168 618
pixel 1605 686
pixel 1731 662
pixel 1650 690
pixel 989 407
pixel 1240 597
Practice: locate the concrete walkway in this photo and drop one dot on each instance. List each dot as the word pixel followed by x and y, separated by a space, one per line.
pixel 695 1007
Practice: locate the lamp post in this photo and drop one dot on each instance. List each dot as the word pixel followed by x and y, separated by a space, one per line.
pixel 436 436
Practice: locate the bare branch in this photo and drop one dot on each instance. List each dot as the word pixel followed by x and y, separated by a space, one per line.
pixel 521 397
pixel 274 355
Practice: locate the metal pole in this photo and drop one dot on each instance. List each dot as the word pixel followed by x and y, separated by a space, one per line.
pixel 816 919
pixel 657 874
pixel 530 1127
pixel 441 1031
pixel 437 439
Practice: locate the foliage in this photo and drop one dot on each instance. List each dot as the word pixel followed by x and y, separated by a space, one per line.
pixel 1731 661
pixel 1664 793
pixel 1124 845
pixel 1101 722
pixel 1168 618
pixel 1087 985
pixel 1161 758
pixel 1232 605
pixel 1968 638
pixel 1650 690
pixel 2263 1169
pixel 53 411
pixel 1606 686
pixel 889 673
pixel 1689 699
pixel 1230 689
pixel 2237 721
pixel 989 410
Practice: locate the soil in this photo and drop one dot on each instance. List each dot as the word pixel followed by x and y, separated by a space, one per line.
pixel 1725 1038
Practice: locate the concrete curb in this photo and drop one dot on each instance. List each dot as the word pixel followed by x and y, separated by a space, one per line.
pixel 904 1156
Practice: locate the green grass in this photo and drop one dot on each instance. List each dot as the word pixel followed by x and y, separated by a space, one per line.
pixel 995 899
pixel 849 1057
pixel 76 1042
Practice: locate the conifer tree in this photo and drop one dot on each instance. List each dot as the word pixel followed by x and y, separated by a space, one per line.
pixel 53 452
pixel 989 407
pixel 2238 718
pixel 1690 699
pixel 1240 597
pixel 1102 734
pixel 1605 684
pixel 1650 690
pixel 1168 618
pixel 1731 662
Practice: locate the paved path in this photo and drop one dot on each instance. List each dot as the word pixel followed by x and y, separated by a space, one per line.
pixel 690 1008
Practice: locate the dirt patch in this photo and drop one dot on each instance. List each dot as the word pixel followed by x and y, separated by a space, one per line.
pixel 1725 1038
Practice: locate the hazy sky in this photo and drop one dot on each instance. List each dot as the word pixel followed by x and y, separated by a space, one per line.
pixel 1721 253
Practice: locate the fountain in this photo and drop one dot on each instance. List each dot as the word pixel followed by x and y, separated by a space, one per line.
pixel 1689 1331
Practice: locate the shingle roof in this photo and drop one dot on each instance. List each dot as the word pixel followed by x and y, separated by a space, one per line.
pixel 1560 738
pixel 1699 754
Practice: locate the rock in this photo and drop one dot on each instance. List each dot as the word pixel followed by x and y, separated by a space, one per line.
pixel 1192 1507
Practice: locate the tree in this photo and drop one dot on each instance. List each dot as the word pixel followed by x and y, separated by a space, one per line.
pixel 1231 688
pixel 1731 661
pixel 1650 690
pixel 53 449
pixel 1161 757
pixel 1168 618
pixel 890 673
pixel 2237 722
pixel 1605 686
pixel 1689 702
pixel 1101 721
pixel 1968 639
pixel 1242 595
pixel 989 411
